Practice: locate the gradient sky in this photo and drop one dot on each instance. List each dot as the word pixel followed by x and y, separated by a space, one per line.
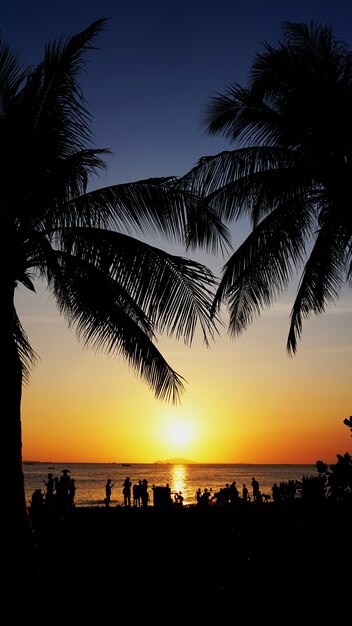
pixel 245 400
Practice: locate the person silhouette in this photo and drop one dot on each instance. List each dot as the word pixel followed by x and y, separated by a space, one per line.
pixel 234 493
pixel 63 492
pixel 179 498
pixel 245 494
pixel 136 490
pixel 108 488
pixel 205 497
pixel 144 492
pixel 127 491
pixel 37 499
pixel 168 494
pixel 50 487
pixel 256 492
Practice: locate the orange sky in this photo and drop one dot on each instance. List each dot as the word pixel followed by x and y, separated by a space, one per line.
pixel 245 401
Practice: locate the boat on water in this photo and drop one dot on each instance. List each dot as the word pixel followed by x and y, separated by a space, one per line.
pixel 126 464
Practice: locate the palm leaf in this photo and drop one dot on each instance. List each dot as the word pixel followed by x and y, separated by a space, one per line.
pixel 175 292
pixel 321 280
pixel 107 319
pixel 263 265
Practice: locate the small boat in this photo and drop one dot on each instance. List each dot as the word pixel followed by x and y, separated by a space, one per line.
pixel 126 464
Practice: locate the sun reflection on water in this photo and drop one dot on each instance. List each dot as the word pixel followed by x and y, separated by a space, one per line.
pixel 178 478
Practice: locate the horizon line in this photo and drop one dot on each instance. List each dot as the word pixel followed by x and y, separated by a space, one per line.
pixel 189 462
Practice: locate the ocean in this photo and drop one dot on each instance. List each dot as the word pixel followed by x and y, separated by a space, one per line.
pixel 90 478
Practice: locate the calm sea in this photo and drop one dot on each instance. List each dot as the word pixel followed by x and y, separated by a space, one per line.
pixel 90 478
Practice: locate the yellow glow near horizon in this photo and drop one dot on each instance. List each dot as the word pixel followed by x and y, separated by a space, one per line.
pixel 245 400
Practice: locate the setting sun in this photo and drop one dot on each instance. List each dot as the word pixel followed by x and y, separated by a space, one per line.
pixel 179 432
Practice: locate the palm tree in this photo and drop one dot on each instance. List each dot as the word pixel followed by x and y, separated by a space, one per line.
pixel 289 174
pixel 117 291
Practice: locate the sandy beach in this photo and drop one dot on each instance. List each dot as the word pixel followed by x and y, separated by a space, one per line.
pixel 215 553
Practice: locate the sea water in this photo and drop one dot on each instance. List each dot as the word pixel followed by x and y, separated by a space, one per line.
pixel 90 478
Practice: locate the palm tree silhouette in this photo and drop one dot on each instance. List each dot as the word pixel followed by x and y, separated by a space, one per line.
pixel 290 174
pixel 114 289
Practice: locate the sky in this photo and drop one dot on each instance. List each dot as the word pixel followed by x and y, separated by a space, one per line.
pixel 246 400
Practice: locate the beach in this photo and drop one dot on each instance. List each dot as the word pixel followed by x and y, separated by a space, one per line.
pixel 90 478
pixel 217 554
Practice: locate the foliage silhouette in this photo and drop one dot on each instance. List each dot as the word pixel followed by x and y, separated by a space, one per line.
pixel 338 478
pixel 114 289
pixel 289 174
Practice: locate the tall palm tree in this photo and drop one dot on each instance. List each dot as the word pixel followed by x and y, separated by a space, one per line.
pixel 290 174
pixel 117 291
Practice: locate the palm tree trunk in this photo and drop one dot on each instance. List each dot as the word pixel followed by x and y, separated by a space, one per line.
pixel 19 537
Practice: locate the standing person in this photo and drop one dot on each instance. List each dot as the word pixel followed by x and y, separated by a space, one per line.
pixel 245 494
pixel 144 492
pixel 64 489
pixel 256 492
pixel 127 491
pixel 108 488
pixel 234 493
pixel 50 487
pixel 137 489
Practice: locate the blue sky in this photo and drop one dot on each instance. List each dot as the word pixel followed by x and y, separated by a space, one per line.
pixel 159 63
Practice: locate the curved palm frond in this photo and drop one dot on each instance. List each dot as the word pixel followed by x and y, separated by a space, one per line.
pixel 59 93
pixel 27 355
pixel 11 75
pixel 174 292
pixel 107 318
pixel 156 206
pixel 249 181
pixel 321 280
pixel 47 135
pixel 242 116
pixel 263 265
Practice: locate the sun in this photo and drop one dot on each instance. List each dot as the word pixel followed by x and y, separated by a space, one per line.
pixel 179 432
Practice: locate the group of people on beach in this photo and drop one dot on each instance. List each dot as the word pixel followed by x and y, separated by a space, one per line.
pixel 59 492
pixel 137 492
pixel 230 494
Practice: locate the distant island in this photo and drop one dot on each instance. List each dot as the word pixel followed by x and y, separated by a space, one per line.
pixel 176 461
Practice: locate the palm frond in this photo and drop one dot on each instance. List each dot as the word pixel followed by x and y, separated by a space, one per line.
pixel 174 292
pixel 321 281
pixel 242 115
pixel 107 319
pixel 12 74
pixel 64 61
pixel 263 265
pixel 160 206
pixel 233 181
pixel 27 355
